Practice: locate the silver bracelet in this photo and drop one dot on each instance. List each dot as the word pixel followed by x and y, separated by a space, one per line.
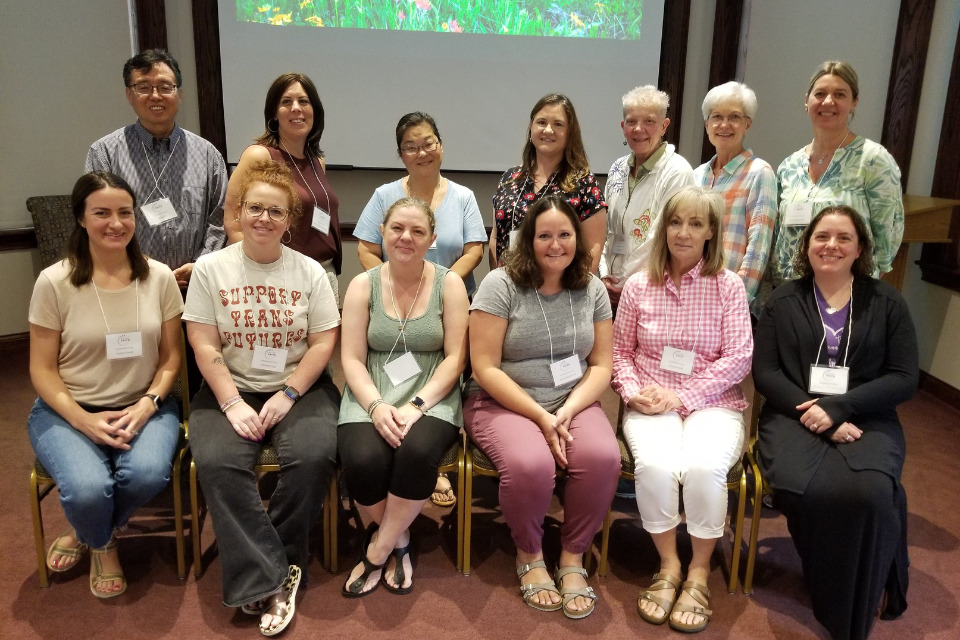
pixel 373 405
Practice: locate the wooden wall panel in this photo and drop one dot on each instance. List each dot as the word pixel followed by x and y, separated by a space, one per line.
pixel 727 24
pixel 206 44
pixel 673 60
pixel 151 24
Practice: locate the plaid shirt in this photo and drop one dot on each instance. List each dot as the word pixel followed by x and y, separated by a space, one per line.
pixel 708 316
pixel 749 189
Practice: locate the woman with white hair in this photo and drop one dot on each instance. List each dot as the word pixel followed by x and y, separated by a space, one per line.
pixel 638 185
pixel 747 183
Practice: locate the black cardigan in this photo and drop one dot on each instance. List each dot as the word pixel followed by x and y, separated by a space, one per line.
pixel 883 373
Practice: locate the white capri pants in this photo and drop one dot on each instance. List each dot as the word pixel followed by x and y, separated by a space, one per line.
pixel 696 453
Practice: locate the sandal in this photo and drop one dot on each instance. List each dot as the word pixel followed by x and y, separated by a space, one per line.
pixel 532 589
pixel 701 595
pixel 661 582
pixel 74 553
pixel 355 589
pixel 283 603
pixel 568 594
pixel 98 577
pixel 449 498
pixel 399 576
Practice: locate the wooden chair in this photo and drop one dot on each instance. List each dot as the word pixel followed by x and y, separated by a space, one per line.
pixel 736 482
pixel 42 483
pixel 760 489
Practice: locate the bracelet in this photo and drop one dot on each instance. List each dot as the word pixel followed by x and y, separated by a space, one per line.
pixel 229 403
pixel 373 405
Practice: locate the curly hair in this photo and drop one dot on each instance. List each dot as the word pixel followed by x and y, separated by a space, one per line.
pixel 521 264
pixel 276 175
pixel 573 165
pixel 862 267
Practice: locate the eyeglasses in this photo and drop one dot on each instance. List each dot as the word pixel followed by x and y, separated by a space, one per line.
pixel 413 149
pixel 255 210
pixel 736 119
pixel 146 89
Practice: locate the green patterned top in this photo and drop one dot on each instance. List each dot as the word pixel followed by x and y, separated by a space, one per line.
pixel 862 175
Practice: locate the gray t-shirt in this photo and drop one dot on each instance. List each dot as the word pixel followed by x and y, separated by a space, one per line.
pixel 565 318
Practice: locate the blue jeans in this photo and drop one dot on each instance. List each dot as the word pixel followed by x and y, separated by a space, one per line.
pixel 258 545
pixel 101 487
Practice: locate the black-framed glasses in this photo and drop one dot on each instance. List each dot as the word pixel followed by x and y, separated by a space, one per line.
pixel 255 210
pixel 415 149
pixel 146 89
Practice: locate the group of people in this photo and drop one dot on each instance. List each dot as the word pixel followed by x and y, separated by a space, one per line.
pixel 646 285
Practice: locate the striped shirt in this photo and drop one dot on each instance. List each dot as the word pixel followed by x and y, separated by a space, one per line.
pixel 707 315
pixel 749 189
pixel 185 168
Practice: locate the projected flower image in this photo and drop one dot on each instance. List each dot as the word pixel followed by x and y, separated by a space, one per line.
pixel 616 19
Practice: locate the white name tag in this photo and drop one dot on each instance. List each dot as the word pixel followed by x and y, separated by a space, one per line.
pixel 677 360
pixel 158 211
pixel 402 369
pixel 620 243
pixel 269 358
pixel 828 380
pixel 514 238
pixel 124 345
pixel 798 214
pixel 321 221
pixel 566 370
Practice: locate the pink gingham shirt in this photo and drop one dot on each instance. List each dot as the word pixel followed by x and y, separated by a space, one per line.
pixel 708 316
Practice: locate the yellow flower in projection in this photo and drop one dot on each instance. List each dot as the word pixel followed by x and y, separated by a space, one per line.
pixel 281 18
pixel 305 3
pixel 600 7
pixel 316 21
pixel 505 29
pixel 577 22
pixel 264 8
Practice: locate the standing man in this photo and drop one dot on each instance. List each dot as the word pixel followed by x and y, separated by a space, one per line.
pixel 179 178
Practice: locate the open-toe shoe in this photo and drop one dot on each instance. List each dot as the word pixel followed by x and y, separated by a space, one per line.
pixel 700 595
pixel 355 589
pixel 443 497
pixel 75 554
pixel 282 604
pixel 530 590
pixel 662 582
pixel 98 577
pixel 399 575
pixel 567 594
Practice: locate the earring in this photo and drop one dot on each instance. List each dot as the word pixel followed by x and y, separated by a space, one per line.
pixel 624 143
pixel 289 237
pixel 276 123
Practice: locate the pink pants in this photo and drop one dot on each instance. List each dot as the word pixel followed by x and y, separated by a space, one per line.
pixel 517 448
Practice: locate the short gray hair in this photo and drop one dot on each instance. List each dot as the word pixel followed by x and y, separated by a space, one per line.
pixel 731 92
pixel 647 96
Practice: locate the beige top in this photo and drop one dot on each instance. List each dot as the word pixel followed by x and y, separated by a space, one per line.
pixel 84 319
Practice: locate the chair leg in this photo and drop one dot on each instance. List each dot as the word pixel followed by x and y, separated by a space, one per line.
pixel 466 504
pixel 754 531
pixel 461 510
pixel 738 533
pixel 195 520
pixel 178 516
pixel 38 531
pixel 605 544
pixel 331 510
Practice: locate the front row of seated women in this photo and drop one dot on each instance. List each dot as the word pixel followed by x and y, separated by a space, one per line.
pixel 836 354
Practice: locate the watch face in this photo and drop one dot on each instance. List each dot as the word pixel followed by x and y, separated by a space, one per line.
pixel 417 401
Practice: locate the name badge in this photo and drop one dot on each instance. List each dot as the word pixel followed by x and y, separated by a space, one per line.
pixel 321 221
pixel 121 346
pixel 677 360
pixel 828 380
pixel 402 369
pixel 620 243
pixel 158 211
pixel 566 370
pixel 798 214
pixel 269 358
pixel 514 238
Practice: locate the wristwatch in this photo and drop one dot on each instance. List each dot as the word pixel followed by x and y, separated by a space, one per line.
pixel 156 400
pixel 417 402
pixel 290 392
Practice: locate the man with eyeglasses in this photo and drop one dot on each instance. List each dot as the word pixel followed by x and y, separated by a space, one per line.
pixel 179 178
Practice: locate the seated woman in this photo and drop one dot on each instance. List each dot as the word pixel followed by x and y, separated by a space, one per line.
pixel 104 353
pixel 682 344
pixel 540 343
pixel 836 353
pixel 404 348
pixel 263 321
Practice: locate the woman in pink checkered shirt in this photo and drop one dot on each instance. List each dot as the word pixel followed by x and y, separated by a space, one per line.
pixel 682 344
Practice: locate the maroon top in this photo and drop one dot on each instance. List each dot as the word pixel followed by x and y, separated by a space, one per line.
pixel 306 239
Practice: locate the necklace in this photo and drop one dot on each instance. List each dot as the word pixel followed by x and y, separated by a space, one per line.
pixel 824 156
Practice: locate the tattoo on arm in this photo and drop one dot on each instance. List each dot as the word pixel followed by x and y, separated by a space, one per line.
pixel 219 360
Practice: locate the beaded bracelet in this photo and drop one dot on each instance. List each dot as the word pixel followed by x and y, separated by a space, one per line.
pixel 229 403
pixel 373 405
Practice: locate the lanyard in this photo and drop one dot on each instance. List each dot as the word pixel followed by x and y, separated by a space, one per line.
pixel 549 334
pixel 316 203
pixel 520 194
pixel 847 330
pixel 405 319
pixel 156 178
pixel 97 291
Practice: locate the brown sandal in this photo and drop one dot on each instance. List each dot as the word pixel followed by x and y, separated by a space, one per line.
pixel 661 582
pixel 701 596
